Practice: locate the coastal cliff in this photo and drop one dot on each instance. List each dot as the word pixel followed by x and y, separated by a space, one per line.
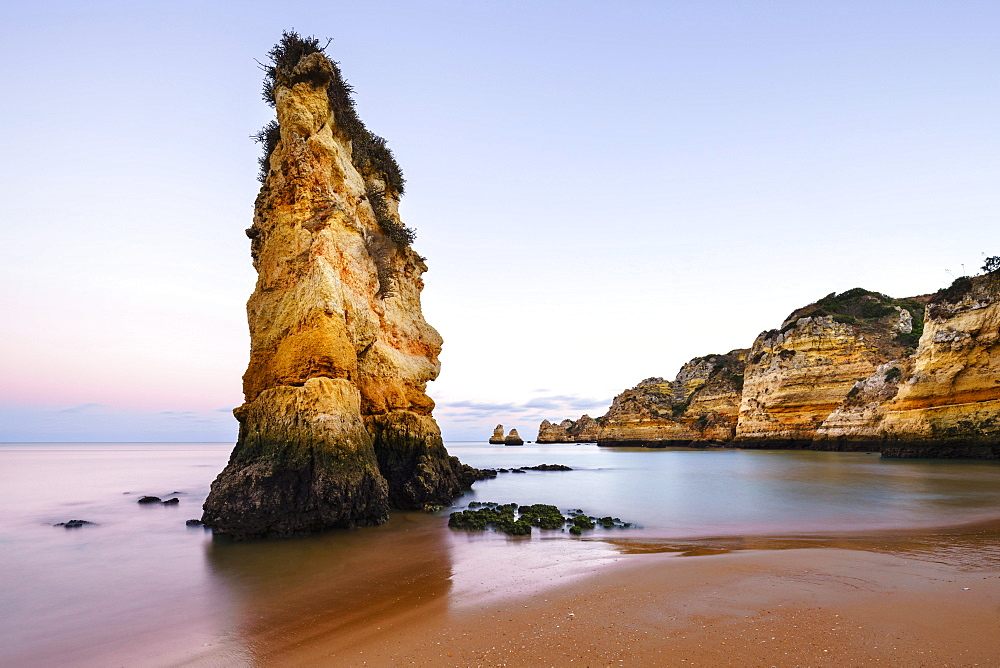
pixel 701 403
pixel 336 426
pixel 857 370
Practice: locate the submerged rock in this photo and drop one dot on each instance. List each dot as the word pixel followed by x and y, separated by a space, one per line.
pixel 172 502
pixel 149 499
pixel 74 524
pixel 194 523
pixel 336 426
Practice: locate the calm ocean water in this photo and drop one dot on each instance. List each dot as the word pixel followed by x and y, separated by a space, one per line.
pixel 141 588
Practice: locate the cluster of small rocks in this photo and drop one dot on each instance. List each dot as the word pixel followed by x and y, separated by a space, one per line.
pixel 514 520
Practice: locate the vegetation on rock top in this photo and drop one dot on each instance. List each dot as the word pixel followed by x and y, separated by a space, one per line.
pixel 863 308
pixel 369 152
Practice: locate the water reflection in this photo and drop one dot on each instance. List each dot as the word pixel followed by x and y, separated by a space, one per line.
pixel 974 546
pixel 282 593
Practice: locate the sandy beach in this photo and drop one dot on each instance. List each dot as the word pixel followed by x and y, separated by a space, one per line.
pixel 780 607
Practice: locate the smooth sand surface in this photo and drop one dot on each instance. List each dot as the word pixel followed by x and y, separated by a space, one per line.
pixel 788 607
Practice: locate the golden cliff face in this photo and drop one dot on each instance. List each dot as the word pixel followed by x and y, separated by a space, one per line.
pixel 858 370
pixel 336 426
pixel 700 404
pixel 949 401
pixel 794 380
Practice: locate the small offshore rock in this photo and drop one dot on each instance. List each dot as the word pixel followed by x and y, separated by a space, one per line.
pixel 172 502
pixel 548 467
pixel 497 437
pixel 513 438
pixel 517 471
pixel 149 499
pixel 194 523
pixel 73 524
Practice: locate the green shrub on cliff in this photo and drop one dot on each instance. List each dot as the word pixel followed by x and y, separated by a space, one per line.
pixel 369 152
pixel 864 308
pixel 268 136
pixel 393 229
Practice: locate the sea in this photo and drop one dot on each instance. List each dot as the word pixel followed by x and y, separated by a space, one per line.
pixel 138 586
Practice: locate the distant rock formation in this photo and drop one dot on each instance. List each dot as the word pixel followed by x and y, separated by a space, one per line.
pixel 584 430
pixel 513 438
pixel 336 426
pixel 497 437
pixel 913 377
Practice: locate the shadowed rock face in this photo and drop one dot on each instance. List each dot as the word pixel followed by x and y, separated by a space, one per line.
pixel 336 426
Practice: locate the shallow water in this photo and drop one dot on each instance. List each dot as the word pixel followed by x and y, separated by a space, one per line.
pixel 682 492
pixel 140 587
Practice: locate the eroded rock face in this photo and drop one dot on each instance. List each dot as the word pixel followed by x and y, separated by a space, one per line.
pixel 700 404
pixel 336 426
pixel 584 430
pixel 948 402
pixel 859 370
pixel 497 437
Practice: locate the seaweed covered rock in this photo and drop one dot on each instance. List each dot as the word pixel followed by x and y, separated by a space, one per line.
pixel 517 520
pixel 336 427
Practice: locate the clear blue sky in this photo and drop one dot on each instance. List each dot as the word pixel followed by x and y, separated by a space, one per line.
pixel 603 190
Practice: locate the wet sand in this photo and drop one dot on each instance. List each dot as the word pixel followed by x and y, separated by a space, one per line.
pixel 906 604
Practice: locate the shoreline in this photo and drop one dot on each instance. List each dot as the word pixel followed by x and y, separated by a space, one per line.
pixel 760 604
pixel 798 607
pixel 939 449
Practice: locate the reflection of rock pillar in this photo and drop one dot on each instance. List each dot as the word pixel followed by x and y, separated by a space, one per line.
pixel 276 598
pixel 497 437
pixel 513 438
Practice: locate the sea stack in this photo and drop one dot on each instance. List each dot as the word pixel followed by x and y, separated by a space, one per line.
pixel 497 437
pixel 513 438
pixel 336 427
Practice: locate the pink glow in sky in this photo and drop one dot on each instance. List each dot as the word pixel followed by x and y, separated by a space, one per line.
pixel 603 190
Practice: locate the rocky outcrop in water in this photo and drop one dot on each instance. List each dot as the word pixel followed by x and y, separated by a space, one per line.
pixel 858 370
pixel 584 430
pixel 512 438
pixel 336 426
pixel 497 437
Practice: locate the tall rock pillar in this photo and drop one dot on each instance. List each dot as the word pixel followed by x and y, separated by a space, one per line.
pixel 336 426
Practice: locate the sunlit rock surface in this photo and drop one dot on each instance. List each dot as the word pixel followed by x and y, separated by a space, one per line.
pixel 336 426
pixel 859 370
pixel 497 437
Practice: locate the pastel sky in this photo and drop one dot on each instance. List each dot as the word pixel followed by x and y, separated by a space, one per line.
pixel 603 190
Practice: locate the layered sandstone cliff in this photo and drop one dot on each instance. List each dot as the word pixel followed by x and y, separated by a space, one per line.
pixel 700 404
pixel 858 370
pixel 336 426
pixel 947 402
pixel 497 437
